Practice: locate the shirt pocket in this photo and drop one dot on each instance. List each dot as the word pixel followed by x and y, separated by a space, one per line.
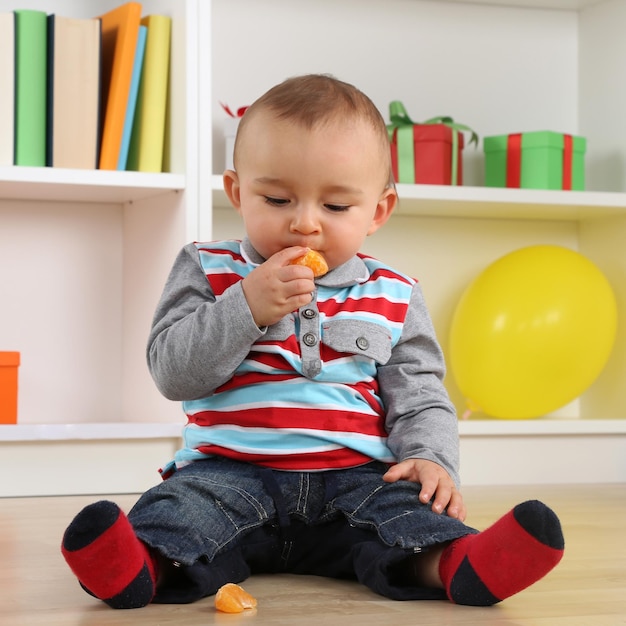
pixel 359 338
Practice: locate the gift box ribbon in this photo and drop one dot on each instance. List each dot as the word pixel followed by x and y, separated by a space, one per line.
pixel 514 161
pixel 402 126
pixel 240 110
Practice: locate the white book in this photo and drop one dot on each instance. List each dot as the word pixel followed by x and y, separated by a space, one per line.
pixel 7 87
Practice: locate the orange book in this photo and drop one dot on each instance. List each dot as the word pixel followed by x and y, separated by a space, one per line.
pixel 120 30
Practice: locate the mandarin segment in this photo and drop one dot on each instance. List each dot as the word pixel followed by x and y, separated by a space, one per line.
pixel 231 598
pixel 313 260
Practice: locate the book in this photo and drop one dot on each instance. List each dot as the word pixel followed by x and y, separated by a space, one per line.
pixel 148 136
pixel 73 92
pixel 120 31
pixel 7 87
pixel 132 98
pixel 30 87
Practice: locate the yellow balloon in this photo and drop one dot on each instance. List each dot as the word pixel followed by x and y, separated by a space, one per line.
pixel 532 332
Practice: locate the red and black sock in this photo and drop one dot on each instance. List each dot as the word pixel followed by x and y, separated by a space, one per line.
pixel 518 550
pixel 110 562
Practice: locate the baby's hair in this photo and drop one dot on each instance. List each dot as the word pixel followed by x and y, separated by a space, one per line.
pixel 317 99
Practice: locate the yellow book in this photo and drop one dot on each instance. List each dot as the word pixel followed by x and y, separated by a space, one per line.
pixel 146 153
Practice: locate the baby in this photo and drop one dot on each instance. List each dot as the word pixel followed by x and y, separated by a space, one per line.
pixel 320 438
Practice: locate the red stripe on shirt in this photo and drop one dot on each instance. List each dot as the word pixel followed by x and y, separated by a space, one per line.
pixel 286 417
pixel 304 461
pixel 392 311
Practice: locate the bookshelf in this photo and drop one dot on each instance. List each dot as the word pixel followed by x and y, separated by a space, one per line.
pixel 84 254
pixel 83 258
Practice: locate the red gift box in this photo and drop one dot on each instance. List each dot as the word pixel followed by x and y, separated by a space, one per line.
pixel 429 152
pixel 432 154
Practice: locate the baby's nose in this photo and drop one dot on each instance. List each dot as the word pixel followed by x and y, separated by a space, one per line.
pixel 305 221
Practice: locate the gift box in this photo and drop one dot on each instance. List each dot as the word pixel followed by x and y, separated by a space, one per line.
pixel 231 124
pixel 230 133
pixel 9 362
pixel 426 153
pixel 535 160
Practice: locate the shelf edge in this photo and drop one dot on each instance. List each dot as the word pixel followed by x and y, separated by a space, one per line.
pixel 86 432
pixel 162 430
pixel 58 184
pixel 541 427
pixel 491 202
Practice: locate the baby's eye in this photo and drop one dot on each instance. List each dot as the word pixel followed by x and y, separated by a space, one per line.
pixel 337 207
pixel 276 201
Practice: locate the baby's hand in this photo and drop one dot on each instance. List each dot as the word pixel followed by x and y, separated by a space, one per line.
pixel 436 483
pixel 276 288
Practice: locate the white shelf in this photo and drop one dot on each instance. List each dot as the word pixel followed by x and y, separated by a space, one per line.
pixel 498 203
pixel 492 203
pixel 124 457
pixel 70 185
pixel 541 427
pixel 160 430
pixel 565 5
pixel 89 432
pixel 507 68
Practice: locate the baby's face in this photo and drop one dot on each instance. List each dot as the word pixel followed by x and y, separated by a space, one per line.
pixel 324 188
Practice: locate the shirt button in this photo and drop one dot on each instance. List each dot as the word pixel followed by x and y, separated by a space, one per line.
pixel 309 313
pixel 362 343
pixel 309 339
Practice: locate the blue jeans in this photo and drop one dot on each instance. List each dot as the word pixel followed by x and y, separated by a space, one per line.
pixel 219 521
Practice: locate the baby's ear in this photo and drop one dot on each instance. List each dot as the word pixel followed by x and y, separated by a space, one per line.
pixel 386 204
pixel 232 188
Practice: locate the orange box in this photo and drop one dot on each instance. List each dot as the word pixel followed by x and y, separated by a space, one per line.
pixel 9 362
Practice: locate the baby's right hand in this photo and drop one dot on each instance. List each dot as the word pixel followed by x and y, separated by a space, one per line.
pixel 276 288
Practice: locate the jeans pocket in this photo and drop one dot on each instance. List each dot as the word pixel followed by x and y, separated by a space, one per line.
pixel 394 512
pixel 201 510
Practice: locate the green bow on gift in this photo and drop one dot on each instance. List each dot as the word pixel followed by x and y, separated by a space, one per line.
pixel 406 156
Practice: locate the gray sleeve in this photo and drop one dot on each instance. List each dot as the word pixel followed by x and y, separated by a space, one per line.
pixel 197 340
pixel 421 420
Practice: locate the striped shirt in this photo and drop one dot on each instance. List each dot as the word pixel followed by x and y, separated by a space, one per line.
pixel 303 394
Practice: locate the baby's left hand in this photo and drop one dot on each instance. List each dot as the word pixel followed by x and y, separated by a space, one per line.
pixel 435 481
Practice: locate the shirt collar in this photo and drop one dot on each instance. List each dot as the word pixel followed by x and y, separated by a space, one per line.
pixel 352 272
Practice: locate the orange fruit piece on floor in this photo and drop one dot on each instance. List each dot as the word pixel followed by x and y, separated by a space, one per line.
pixel 314 260
pixel 231 598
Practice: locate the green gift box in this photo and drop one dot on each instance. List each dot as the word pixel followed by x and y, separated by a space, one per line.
pixel 535 160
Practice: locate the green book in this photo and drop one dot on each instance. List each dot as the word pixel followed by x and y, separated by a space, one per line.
pixel 30 87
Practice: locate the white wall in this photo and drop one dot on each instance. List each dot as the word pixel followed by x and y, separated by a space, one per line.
pixel 467 61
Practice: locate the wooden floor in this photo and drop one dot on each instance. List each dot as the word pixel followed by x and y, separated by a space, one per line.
pixel 588 588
